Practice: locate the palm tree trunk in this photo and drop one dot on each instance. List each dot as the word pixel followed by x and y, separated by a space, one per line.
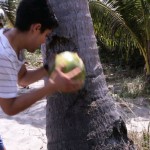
pixel 88 119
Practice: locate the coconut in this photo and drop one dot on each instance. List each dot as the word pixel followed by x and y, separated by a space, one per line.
pixel 69 61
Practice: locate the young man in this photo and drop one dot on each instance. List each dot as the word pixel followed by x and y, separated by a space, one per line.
pixel 34 22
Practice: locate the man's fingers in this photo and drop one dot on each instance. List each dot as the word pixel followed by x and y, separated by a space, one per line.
pixel 73 73
pixel 77 85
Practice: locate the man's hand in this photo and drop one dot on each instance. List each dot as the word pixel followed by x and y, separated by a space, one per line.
pixel 64 82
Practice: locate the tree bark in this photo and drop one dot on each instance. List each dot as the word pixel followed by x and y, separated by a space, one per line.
pixel 88 119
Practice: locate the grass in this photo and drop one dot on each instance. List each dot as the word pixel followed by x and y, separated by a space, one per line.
pixel 133 87
pixel 141 140
pixel 126 84
pixel 34 60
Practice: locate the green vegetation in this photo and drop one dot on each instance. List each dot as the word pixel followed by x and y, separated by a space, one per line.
pixel 123 25
pixel 141 140
pixel 33 60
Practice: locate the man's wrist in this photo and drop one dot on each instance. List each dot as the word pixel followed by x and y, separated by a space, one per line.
pixel 51 86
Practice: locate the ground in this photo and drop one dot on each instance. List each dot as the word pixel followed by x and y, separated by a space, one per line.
pixel 136 113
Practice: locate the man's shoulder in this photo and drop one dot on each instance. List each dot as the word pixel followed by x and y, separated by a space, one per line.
pixel 4 55
pixel 5 47
pixel 2 38
pixel 1 31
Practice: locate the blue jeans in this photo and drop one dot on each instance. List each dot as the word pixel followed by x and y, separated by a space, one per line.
pixel 1 144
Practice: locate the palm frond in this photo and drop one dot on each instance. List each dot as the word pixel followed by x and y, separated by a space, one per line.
pixel 9 7
pixel 110 25
pixel 136 14
pixel 125 23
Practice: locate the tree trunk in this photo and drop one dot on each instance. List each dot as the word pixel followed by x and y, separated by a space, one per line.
pixel 88 119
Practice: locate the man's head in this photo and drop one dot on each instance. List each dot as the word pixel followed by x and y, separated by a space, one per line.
pixel 35 20
pixel 31 12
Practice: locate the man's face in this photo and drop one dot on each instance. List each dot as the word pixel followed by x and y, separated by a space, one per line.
pixel 37 38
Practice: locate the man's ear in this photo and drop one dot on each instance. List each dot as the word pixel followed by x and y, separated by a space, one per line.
pixel 35 27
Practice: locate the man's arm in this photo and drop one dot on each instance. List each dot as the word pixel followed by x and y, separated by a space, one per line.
pixel 58 82
pixel 26 77
pixel 12 106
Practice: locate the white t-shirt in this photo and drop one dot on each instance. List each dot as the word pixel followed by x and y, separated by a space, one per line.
pixel 9 68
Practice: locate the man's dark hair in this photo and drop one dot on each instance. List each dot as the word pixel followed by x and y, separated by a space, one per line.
pixel 35 11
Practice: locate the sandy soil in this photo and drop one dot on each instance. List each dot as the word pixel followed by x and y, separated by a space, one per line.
pixel 136 113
